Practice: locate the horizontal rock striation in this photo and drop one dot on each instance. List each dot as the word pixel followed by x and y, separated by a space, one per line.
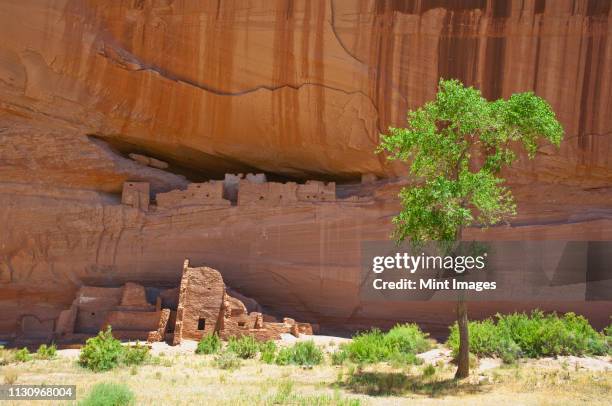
pixel 301 88
pixel 301 258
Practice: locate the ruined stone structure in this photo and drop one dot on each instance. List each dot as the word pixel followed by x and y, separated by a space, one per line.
pixel 254 190
pixel 125 309
pixel 136 194
pixel 205 307
pixel 278 194
pixel 209 193
pixel 267 194
pixel 315 191
pixel 201 305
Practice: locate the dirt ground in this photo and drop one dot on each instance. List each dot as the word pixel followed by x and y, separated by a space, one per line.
pixel 177 376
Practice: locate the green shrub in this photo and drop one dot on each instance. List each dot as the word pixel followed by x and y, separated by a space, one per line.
pixel 398 359
pixel 399 345
pixel 429 371
pixel 109 394
pixel 46 352
pixel 245 346
pixel 535 335
pixel 368 347
pixel 407 338
pixel 227 360
pixel 23 355
pixel 210 344
pixel 339 357
pixel 135 354
pixel 301 353
pixel 102 352
pixel 486 341
pixel 268 351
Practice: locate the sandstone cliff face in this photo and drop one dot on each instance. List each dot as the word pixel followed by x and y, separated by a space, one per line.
pixel 301 87
pixel 295 89
pixel 299 258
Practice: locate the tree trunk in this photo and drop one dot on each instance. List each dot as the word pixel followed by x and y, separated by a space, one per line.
pixel 463 359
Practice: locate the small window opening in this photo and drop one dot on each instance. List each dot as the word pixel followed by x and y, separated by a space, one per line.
pixel 201 323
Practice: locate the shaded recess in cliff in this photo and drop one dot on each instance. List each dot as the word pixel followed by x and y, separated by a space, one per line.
pixel 197 166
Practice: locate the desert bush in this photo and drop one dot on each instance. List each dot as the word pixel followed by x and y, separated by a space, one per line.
pixel 398 359
pixel 399 345
pixel 46 351
pixel 407 338
pixel 532 335
pixel 339 357
pixel 227 360
pixel 367 347
pixel 209 344
pixel 486 341
pixel 6 356
pixel 268 351
pixel 301 353
pixel 429 371
pixel 23 355
pixel 109 394
pixel 102 352
pixel 245 346
pixel 134 354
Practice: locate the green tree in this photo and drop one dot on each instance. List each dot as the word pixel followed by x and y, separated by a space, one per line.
pixel 456 147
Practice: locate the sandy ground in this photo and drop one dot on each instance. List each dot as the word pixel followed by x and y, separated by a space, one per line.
pixel 434 356
pixel 180 377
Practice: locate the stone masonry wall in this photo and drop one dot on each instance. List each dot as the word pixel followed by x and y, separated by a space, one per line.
pixel 209 193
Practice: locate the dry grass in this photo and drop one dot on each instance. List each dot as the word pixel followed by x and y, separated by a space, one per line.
pixel 190 379
pixel 10 376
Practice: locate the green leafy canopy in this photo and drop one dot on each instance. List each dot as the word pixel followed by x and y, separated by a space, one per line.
pixel 456 146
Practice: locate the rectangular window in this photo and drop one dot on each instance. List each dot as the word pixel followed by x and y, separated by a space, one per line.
pixel 201 324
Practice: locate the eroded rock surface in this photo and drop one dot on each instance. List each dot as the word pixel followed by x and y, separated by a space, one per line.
pixel 300 258
pixel 297 88
pixel 294 89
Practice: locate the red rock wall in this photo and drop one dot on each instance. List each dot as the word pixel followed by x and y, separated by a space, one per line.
pixel 302 87
pixel 297 88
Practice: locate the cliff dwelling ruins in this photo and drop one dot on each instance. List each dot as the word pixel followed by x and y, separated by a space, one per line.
pixel 200 306
pixel 252 189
